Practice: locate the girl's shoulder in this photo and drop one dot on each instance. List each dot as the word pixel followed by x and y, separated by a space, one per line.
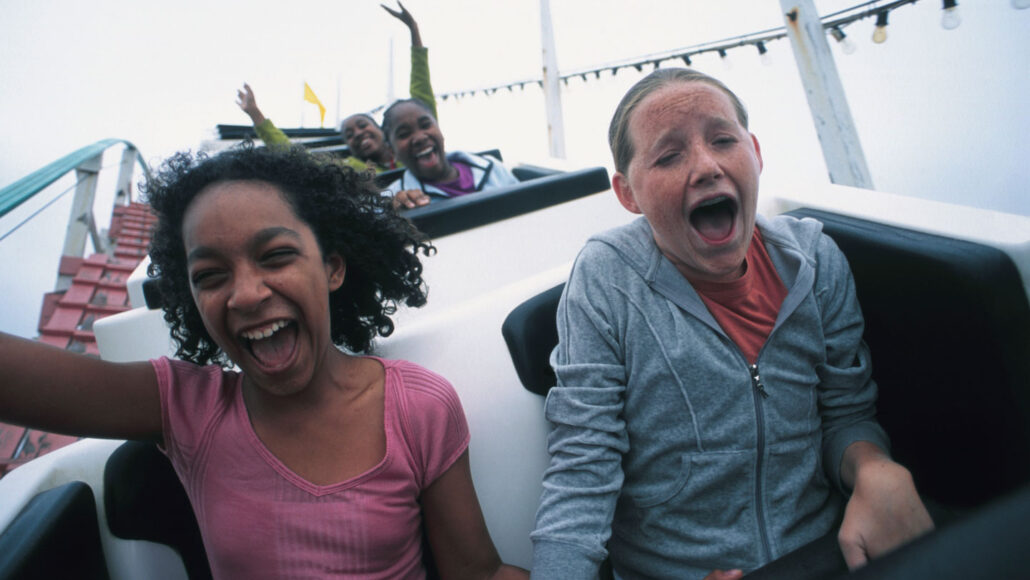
pixel 176 376
pixel 414 380
pixel 429 413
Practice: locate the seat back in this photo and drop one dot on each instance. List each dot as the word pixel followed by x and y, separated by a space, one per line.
pixel 56 535
pixel 530 333
pixel 948 325
pixel 144 500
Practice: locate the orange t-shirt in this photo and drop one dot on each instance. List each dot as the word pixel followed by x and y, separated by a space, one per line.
pixel 746 308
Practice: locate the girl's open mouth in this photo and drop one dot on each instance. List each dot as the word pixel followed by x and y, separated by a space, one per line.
pixel 272 346
pixel 714 219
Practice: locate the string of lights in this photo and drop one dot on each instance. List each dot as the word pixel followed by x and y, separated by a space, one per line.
pixel 834 25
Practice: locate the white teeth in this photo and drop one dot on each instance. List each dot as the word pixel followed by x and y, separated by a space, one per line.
pixel 425 151
pixel 264 332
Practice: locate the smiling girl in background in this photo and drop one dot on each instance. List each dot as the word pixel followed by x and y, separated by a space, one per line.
pixel 363 136
pixel 433 174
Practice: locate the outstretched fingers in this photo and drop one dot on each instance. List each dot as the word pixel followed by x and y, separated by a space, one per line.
pixel 403 15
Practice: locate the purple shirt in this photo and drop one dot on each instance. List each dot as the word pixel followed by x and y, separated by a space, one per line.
pixel 463 185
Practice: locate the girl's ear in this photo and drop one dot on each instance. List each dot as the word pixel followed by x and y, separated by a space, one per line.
pixel 335 269
pixel 620 183
pixel 758 151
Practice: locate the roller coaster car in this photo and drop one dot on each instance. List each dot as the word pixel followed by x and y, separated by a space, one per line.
pixel 947 320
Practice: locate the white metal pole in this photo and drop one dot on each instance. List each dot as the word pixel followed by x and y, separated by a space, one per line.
pixel 842 149
pixel 552 88
pixel 389 79
pixel 338 84
pixel 81 218
pixel 123 193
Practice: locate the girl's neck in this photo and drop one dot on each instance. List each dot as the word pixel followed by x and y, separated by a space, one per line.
pixel 383 158
pixel 335 375
pixel 450 174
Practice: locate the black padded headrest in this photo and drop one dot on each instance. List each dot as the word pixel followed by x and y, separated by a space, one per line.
pixel 948 325
pixel 144 500
pixel 531 333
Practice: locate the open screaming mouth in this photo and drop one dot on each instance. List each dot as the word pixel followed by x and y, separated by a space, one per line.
pixel 714 218
pixel 273 345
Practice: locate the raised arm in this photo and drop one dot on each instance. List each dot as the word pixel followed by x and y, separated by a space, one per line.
pixel 404 16
pixel 420 87
pixel 55 390
pixel 462 547
pixel 246 101
pixel 266 131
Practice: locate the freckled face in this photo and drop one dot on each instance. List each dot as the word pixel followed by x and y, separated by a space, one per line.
pixel 261 283
pixel 694 176
pixel 418 142
pixel 364 137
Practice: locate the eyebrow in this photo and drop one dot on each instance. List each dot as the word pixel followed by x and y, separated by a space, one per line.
pixel 721 123
pixel 262 237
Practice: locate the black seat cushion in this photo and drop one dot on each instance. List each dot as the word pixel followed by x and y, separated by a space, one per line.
pixel 144 500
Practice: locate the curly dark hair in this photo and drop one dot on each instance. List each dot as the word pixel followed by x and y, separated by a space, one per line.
pixel 345 211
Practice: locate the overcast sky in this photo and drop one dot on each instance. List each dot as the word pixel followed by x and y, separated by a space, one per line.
pixel 941 114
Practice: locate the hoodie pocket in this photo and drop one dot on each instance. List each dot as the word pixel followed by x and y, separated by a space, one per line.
pixel 704 513
pixel 653 495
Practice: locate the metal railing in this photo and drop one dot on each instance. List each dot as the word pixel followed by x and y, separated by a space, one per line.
pixel 86 163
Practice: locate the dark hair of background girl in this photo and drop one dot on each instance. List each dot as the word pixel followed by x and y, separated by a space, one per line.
pixel 344 210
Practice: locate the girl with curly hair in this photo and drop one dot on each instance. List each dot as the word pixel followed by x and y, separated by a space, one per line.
pixel 305 460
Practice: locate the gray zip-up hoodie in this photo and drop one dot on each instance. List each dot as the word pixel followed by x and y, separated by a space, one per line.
pixel 668 448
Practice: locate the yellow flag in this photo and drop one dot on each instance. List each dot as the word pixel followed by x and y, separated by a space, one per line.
pixel 309 96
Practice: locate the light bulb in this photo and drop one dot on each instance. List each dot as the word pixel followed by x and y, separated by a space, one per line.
pixel 846 46
pixel 880 34
pixel 950 18
pixel 725 60
pixel 1020 4
pixel 763 53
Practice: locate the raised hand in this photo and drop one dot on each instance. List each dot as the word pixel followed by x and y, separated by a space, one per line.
pixel 404 16
pixel 245 100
